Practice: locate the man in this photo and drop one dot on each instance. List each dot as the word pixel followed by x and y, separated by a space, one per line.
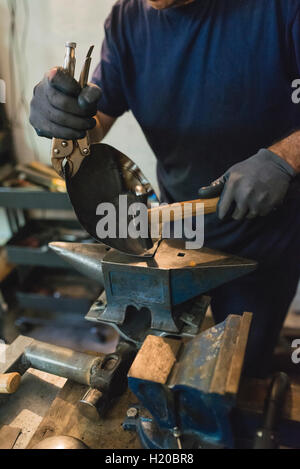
pixel 210 83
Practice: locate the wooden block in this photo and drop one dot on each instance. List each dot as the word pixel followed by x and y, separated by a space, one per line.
pixel 8 436
pixel 155 359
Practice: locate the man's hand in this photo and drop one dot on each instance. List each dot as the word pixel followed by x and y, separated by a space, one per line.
pixel 61 109
pixel 253 187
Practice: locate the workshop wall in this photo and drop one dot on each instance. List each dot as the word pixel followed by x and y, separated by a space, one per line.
pixel 41 29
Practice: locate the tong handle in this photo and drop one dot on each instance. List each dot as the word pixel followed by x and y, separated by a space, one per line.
pixel 84 76
pixel 70 59
pixel 79 149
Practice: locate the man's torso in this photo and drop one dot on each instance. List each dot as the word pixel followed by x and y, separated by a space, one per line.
pixel 209 83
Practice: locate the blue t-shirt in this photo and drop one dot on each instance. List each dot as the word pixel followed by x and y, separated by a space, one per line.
pixel 210 83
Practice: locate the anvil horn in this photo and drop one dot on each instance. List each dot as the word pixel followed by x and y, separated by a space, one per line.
pixel 85 258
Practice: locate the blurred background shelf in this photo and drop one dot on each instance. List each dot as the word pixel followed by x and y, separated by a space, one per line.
pixel 25 199
pixel 39 290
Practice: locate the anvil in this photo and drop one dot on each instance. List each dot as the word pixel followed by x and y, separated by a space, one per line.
pixel 164 295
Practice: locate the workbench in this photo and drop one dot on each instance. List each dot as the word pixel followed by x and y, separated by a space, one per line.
pixel 63 418
pixel 45 405
pixel 27 408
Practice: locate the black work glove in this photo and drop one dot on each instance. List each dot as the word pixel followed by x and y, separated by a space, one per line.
pixel 253 187
pixel 60 108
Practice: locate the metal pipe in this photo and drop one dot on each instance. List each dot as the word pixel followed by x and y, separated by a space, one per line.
pixel 62 362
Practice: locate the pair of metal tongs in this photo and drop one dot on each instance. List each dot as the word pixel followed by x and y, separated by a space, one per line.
pixel 72 151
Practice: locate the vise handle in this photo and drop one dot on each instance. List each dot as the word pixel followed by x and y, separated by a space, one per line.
pixel 9 383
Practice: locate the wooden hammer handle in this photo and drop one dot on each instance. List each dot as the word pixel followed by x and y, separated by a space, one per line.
pixel 176 211
pixel 9 383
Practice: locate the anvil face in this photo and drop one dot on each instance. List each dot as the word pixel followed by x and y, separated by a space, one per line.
pixel 152 295
pixel 184 274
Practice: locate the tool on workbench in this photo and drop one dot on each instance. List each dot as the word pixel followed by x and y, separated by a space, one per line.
pixel 98 173
pixel 103 372
pixel 267 436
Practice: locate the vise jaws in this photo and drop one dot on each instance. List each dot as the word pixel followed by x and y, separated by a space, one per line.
pixel 189 388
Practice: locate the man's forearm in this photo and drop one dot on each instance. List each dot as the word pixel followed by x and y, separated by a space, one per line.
pixel 104 124
pixel 289 150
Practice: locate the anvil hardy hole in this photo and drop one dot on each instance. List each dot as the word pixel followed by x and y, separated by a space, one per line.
pixel 137 321
pixel 181 254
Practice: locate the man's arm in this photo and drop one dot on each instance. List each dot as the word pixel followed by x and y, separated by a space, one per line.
pixel 103 125
pixel 289 150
